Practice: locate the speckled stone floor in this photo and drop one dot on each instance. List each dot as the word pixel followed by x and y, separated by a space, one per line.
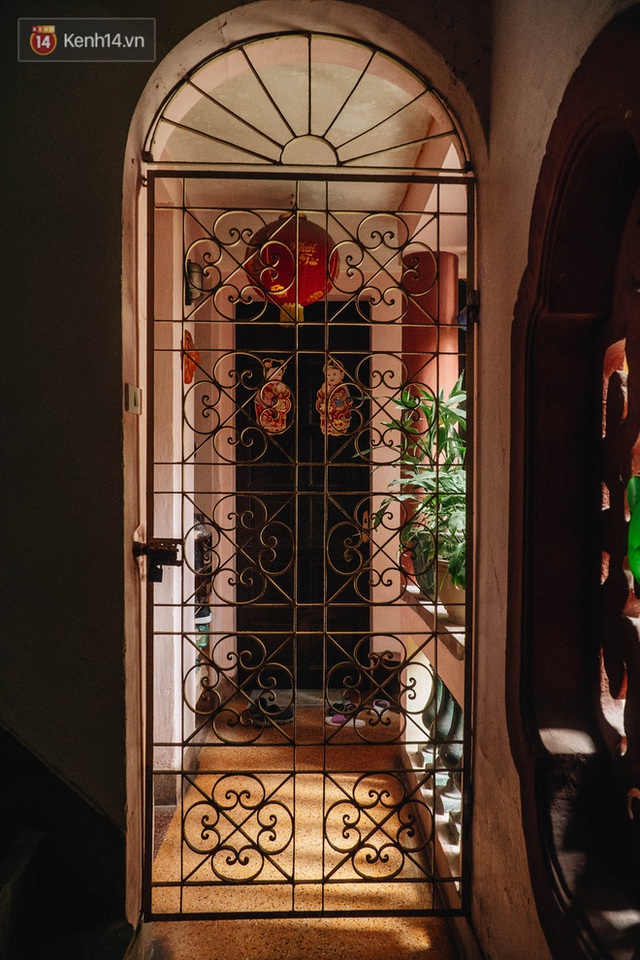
pixel 304 939
pixel 286 763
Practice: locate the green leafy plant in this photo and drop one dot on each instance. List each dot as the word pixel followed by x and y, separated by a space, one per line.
pixel 430 452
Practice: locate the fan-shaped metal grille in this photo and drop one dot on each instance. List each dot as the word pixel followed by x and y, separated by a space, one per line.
pixel 308 99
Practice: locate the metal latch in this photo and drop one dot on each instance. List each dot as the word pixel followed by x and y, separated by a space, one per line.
pixel 160 553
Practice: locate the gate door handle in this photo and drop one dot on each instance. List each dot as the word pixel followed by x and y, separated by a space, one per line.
pixel 160 553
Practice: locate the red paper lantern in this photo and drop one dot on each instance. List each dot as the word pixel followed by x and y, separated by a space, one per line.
pixel 294 261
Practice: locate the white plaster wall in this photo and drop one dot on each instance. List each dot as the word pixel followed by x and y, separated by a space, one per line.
pixel 536 48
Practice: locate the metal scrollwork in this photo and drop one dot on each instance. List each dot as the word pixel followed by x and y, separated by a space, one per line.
pixel 242 828
pixel 250 548
pixel 374 826
pixel 383 262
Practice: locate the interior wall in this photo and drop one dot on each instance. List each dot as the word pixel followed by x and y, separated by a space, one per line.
pixel 536 49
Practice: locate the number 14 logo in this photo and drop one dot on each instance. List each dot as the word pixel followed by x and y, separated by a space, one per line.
pixel 43 39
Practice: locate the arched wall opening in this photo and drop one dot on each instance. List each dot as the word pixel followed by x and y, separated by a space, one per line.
pixel 248 22
pixel 571 600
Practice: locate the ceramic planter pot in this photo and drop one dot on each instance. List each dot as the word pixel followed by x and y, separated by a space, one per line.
pixel 424 571
pixel 452 597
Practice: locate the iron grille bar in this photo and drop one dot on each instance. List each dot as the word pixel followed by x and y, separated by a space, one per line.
pixel 470 673
pixel 266 91
pixel 298 914
pixel 330 174
pixel 149 481
pixel 210 136
pixel 375 126
pixel 396 146
pixel 309 88
pixel 221 106
pixel 351 92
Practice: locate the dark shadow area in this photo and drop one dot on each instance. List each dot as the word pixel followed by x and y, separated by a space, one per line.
pixel 62 867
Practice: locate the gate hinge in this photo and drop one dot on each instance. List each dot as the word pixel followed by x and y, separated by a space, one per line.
pixel 160 553
pixel 473 305
pixel 467 802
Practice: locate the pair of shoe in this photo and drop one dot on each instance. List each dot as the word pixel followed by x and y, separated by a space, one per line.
pixel 265 712
pixel 343 708
pixel 343 712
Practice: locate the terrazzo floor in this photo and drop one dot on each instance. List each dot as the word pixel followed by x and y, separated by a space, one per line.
pixel 304 939
pixel 285 763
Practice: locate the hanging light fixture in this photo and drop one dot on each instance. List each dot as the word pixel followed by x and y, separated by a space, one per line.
pixel 294 261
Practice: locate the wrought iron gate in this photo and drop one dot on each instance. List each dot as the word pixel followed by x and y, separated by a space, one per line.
pixel 308 698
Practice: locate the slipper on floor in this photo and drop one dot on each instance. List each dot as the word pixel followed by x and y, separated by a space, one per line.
pixel 342 708
pixel 339 719
pixel 264 712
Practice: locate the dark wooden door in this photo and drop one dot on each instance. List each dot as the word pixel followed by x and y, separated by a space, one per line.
pixel 302 492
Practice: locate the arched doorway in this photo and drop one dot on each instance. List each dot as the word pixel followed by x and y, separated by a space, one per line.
pixel 310 247
pixel 572 675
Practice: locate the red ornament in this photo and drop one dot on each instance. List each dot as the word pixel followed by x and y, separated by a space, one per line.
pixel 191 357
pixel 294 261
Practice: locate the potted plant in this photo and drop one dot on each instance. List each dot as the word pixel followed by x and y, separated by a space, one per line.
pixel 430 453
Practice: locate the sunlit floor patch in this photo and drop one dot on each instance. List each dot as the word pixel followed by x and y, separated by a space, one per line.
pixel 298 827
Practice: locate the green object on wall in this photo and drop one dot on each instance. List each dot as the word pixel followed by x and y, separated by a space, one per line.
pixel 633 543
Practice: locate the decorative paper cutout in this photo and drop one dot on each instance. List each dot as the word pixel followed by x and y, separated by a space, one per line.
pixel 334 401
pixel 273 401
pixel 191 357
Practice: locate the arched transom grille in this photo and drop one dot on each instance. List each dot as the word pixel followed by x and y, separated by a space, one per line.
pixel 309 99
